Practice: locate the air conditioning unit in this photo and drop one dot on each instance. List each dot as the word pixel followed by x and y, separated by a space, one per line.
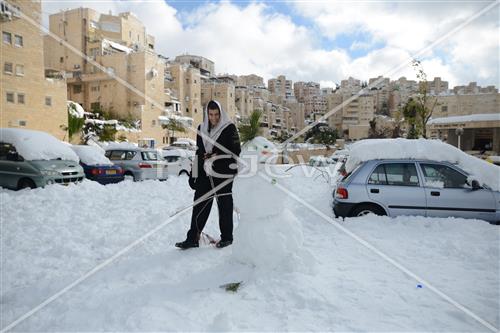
pixel 5 16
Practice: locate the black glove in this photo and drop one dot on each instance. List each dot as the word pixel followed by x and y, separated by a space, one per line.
pixel 192 181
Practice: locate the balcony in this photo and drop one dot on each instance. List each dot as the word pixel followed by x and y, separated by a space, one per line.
pixel 9 12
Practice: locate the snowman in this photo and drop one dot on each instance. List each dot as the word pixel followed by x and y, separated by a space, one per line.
pixel 268 236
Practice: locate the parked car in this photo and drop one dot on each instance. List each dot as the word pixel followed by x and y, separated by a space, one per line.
pixel 179 161
pixel 30 159
pixel 98 167
pixel 187 144
pixel 139 163
pixel 414 187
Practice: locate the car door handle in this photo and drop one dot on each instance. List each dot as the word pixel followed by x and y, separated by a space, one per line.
pixel 374 190
pixel 435 193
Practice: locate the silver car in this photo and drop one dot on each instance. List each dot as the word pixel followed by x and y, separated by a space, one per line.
pixel 414 187
pixel 139 163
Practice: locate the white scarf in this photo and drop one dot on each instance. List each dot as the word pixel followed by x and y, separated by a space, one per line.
pixel 215 132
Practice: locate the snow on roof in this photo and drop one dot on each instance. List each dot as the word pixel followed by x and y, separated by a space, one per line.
pixel 75 109
pixel 186 140
pixel 423 149
pixel 91 155
pixel 465 119
pixel 36 145
pixel 116 46
pixel 101 122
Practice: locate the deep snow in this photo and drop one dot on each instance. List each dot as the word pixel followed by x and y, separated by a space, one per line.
pixel 52 236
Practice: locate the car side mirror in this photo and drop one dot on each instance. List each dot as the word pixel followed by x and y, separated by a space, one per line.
pixel 14 156
pixel 475 185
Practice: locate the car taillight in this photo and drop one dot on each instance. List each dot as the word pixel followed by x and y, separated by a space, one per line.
pixel 119 170
pixel 341 193
pixel 94 172
pixel 145 166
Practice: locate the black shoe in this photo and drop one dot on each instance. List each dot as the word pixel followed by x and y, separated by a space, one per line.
pixel 187 244
pixel 222 244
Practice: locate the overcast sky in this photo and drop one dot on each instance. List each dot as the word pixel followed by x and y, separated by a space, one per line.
pixel 322 41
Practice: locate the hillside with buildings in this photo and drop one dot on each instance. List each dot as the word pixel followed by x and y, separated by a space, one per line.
pixel 108 63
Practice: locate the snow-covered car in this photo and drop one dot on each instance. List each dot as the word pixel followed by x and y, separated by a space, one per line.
pixel 179 161
pixel 139 163
pixel 428 179
pixel 96 166
pixel 319 161
pixel 182 143
pixel 30 159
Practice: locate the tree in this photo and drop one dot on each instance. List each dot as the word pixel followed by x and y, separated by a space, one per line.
pixel 173 125
pixel 75 121
pixel 321 134
pixel 410 112
pixel 426 103
pixel 250 128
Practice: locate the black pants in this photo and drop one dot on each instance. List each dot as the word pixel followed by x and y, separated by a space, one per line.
pixel 201 211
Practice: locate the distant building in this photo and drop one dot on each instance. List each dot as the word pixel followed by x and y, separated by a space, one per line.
pixel 30 99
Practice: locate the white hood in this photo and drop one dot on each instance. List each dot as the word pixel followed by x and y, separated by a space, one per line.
pixel 209 137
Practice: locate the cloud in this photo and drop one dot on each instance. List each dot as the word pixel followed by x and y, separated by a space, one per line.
pixel 255 38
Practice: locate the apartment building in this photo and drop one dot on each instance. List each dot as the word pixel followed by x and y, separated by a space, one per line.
pixel 357 115
pixel 303 90
pixel 473 88
pixel 334 105
pixel 280 86
pixel 184 82
pixel 114 68
pixel 380 89
pixel 244 101
pixel 437 86
pixel 28 99
pixel 315 105
pixel 251 80
pixel 350 86
pixel 206 66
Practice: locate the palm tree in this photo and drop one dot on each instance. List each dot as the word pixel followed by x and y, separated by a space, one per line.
pixel 250 128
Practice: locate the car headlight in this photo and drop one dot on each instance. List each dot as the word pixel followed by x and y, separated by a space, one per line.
pixel 50 173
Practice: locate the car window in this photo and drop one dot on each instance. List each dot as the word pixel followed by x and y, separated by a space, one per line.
pixel 149 156
pixel 5 149
pixel 116 155
pixel 398 174
pixel 129 155
pixel 172 158
pixel 378 176
pixel 437 175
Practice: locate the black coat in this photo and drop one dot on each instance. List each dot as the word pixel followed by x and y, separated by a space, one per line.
pixel 230 140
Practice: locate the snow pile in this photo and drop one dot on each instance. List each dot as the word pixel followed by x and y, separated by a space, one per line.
pixel 75 109
pixel 260 149
pixel 269 236
pixel 37 145
pixel 118 145
pixel 434 150
pixel 91 155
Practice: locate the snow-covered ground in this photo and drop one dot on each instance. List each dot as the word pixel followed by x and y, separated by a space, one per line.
pixel 53 236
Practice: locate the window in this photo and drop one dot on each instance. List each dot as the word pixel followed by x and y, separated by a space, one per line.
pixel 149 156
pixel 399 174
pixel 187 110
pixel 22 122
pixel 20 99
pixel 5 150
pixel 444 108
pixel 20 70
pixel 48 101
pixel 7 68
pixel 95 88
pixel 437 175
pixel 153 123
pixel 61 60
pixel 95 106
pixel 18 41
pixel 77 89
pixel 7 37
pixel 10 97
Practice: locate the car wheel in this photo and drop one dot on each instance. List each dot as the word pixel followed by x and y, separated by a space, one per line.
pixel 25 183
pixel 183 172
pixel 365 209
